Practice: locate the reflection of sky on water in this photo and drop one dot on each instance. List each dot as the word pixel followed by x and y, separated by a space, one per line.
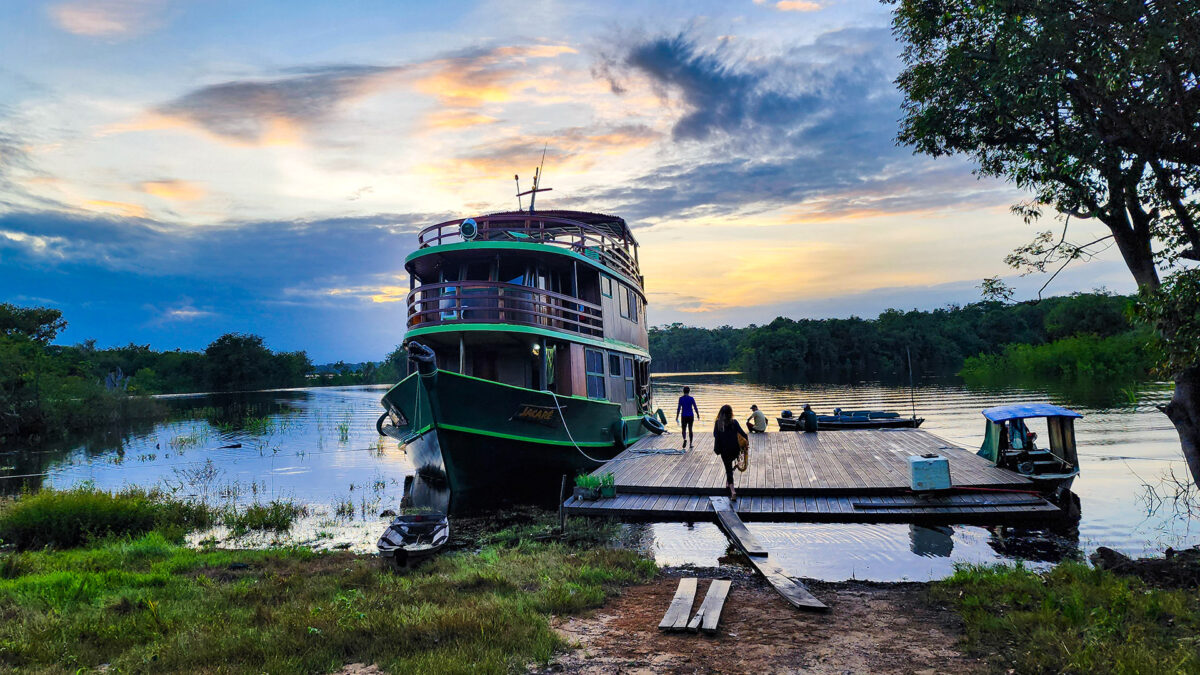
pixel 314 446
pixel 834 552
pixel 320 447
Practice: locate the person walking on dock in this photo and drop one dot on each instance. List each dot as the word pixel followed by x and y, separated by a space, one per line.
pixel 726 431
pixel 757 422
pixel 809 419
pixel 689 410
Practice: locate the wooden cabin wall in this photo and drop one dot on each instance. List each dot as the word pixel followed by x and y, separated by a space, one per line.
pixel 617 327
pixel 578 370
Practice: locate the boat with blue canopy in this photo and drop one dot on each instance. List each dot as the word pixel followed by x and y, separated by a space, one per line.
pixel 1011 444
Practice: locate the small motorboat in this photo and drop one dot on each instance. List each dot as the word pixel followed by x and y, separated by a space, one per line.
pixel 412 539
pixel 1010 444
pixel 852 419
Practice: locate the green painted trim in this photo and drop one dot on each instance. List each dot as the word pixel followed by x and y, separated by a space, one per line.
pixel 520 246
pixel 526 439
pixel 525 389
pixel 606 343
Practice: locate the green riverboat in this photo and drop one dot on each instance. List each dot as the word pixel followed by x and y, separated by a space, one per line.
pixel 528 352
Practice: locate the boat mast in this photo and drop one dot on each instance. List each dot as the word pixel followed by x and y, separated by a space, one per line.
pixel 537 180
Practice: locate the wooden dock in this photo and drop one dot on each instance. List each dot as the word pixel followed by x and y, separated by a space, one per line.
pixel 834 476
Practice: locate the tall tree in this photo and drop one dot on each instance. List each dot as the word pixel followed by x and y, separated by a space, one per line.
pixel 1094 107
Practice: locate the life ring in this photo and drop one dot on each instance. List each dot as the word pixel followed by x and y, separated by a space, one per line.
pixel 653 425
pixel 619 430
pixel 379 424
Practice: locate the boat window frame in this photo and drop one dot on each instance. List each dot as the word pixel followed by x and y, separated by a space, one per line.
pixel 589 374
pixel 629 377
pixel 623 300
pixel 606 282
pixel 614 359
pixel 633 304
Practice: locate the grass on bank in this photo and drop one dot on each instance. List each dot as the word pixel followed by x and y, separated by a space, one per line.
pixel 1075 619
pixel 75 517
pixel 147 605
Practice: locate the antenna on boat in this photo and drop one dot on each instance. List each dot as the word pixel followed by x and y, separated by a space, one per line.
pixel 517 178
pixel 912 391
pixel 537 180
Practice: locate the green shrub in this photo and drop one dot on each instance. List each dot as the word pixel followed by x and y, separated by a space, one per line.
pixel 69 518
pixel 587 480
pixel 1082 356
pixel 276 516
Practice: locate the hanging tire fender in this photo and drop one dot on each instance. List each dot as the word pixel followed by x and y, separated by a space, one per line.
pixel 653 425
pixel 619 430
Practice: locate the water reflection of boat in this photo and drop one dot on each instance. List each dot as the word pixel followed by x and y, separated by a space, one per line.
pixel 411 539
pixel 853 419
pixel 1009 443
pixel 528 351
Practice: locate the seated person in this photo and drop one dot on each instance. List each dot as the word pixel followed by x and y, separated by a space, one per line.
pixel 757 422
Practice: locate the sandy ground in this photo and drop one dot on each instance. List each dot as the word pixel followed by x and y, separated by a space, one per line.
pixel 870 628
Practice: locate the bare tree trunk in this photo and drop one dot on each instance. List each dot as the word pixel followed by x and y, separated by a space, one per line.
pixel 1184 412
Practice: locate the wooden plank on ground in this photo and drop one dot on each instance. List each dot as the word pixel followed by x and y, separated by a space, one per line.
pixel 793 591
pixel 734 528
pixel 680 609
pixel 709 613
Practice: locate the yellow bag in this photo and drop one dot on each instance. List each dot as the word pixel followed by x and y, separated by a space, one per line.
pixel 743 459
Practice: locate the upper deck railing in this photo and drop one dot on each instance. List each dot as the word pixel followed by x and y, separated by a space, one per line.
pixel 594 242
pixel 455 302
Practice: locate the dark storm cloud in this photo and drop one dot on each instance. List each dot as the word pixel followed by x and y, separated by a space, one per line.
pixel 275 253
pixel 245 110
pixel 817 121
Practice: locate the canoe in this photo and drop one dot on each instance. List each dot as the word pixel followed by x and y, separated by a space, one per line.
pixel 412 539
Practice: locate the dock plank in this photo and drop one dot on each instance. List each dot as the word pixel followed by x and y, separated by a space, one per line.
pixel 680 608
pixel 714 602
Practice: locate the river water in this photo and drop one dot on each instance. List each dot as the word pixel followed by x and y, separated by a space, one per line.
pixel 319 446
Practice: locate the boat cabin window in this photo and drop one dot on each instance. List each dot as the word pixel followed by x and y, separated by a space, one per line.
pixel 594 362
pixel 606 284
pixel 614 364
pixel 630 389
pixel 623 296
pixel 633 305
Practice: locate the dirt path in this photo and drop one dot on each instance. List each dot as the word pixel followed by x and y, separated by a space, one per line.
pixel 870 628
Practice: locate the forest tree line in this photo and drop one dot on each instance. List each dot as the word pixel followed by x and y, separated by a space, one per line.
pixel 940 341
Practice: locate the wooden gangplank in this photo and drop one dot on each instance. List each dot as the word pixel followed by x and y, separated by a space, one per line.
pixel 785 585
pixel 734 528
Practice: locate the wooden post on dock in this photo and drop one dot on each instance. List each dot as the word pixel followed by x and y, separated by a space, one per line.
pixel 562 505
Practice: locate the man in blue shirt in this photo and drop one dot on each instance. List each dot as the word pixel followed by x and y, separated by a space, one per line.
pixel 688 410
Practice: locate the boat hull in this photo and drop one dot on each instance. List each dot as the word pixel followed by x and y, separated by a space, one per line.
pixel 487 440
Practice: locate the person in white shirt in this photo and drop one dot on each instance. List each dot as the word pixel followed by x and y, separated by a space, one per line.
pixel 757 422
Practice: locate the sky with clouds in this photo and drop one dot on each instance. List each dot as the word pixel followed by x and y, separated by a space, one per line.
pixel 171 170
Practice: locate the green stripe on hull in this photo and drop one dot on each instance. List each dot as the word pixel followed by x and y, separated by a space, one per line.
pixel 480 439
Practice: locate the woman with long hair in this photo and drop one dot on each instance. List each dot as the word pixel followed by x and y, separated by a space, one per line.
pixel 725 443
